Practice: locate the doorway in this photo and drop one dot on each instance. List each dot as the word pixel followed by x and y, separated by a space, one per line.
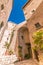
pixel 23 41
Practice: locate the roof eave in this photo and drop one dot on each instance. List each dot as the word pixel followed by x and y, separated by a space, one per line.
pixel 26 4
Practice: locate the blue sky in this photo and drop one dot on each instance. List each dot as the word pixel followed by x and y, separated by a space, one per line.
pixel 17 15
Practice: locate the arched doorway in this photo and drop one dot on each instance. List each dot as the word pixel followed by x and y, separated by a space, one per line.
pixel 24 43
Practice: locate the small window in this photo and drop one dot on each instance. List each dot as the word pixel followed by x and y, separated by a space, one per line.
pixel 2 6
pixel 7 38
pixel 37 25
pixel 22 37
pixel 1 25
pixel 32 11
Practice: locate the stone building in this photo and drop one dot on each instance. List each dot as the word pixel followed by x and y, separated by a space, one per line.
pixel 33 11
pixel 5 7
pixel 22 41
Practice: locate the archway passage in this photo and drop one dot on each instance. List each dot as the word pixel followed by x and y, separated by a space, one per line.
pixel 24 43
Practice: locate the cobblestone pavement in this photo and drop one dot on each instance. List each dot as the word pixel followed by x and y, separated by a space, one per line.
pixel 27 62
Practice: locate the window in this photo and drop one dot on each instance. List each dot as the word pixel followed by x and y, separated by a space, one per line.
pixel 7 38
pixel 1 24
pixel 2 6
pixel 22 37
pixel 32 11
pixel 37 25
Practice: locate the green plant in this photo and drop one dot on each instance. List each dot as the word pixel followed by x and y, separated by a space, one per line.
pixel 38 39
pixel 35 48
pixel 20 47
pixel 20 50
pixel 27 56
pixel 11 52
pixel 20 53
pixel 7 45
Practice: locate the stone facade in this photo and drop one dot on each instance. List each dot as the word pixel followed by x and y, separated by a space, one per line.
pixel 22 42
pixel 5 7
pixel 33 11
pixel 34 16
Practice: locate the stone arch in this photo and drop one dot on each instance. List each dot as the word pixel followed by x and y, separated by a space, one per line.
pixel 24 43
